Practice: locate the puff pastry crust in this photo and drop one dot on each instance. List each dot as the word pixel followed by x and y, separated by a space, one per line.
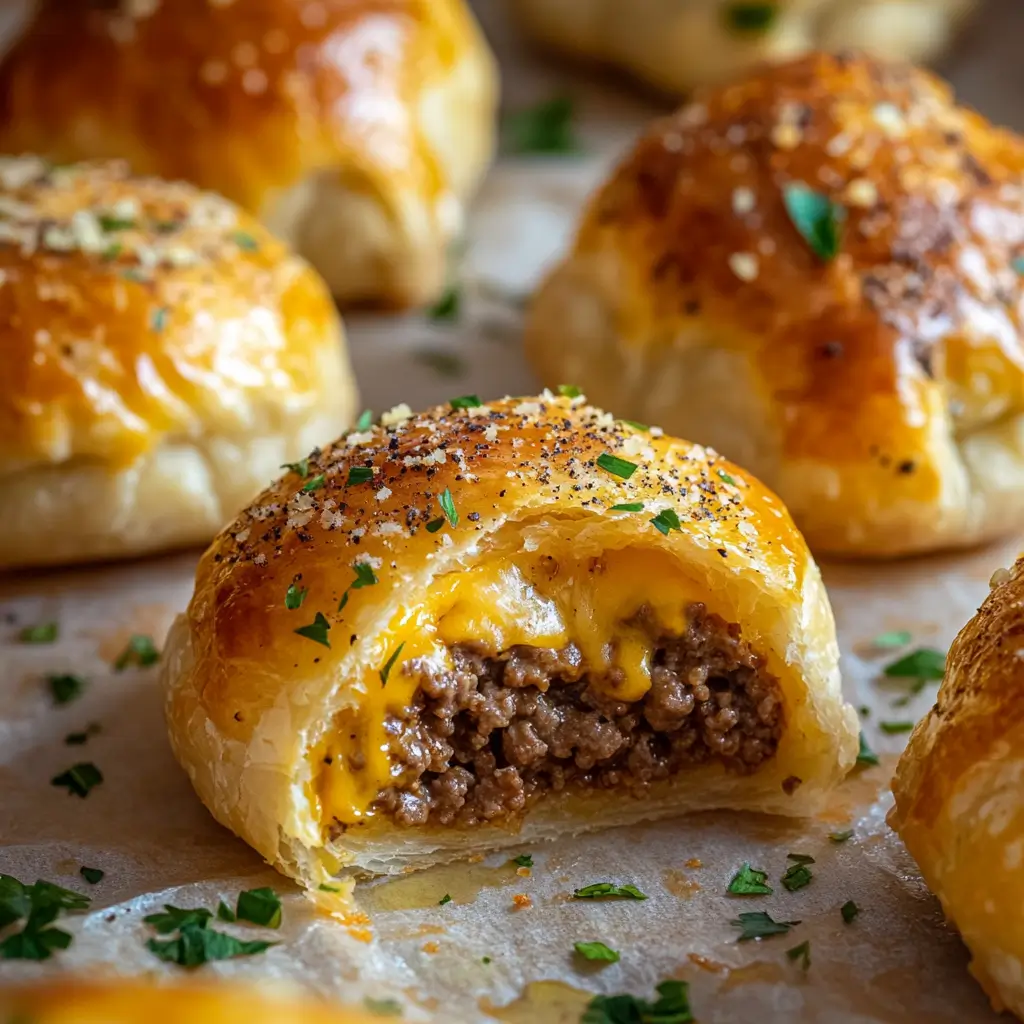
pixel 355 129
pixel 879 392
pixel 77 1001
pixel 959 789
pixel 163 355
pixel 486 567
pixel 677 45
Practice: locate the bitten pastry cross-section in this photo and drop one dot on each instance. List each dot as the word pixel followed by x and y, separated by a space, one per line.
pixel 163 355
pixel 491 623
pixel 817 269
pixel 356 130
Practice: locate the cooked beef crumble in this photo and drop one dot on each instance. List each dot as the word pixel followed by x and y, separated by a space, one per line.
pixel 485 738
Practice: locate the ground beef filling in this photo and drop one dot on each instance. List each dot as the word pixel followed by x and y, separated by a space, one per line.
pixel 485 739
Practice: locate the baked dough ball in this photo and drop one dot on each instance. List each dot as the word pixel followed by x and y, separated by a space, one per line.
pixel 355 129
pixel 466 630
pixel 959 790
pixel 818 271
pixel 163 355
pixel 132 1001
pixel 677 45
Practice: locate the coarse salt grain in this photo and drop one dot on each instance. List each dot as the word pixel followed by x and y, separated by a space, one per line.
pixel 743 200
pixel 744 265
pixel 383 494
pixel 399 414
pixel 360 438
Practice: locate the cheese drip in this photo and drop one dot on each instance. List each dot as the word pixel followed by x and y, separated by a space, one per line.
pixel 522 599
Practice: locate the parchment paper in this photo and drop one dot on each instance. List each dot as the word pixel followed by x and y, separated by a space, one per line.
pixel 144 827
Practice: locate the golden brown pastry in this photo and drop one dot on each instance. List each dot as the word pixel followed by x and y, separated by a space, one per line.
pixel 818 271
pixel 355 129
pixel 493 624
pixel 677 45
pixel 130 1001
pixel 162 356
pixel 959 794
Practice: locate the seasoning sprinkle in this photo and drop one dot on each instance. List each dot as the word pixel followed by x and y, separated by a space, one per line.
pixel 666 520
pixel 817 218
pixel 316 630
pixel 617 467
pixel 390 664
pixel 79 780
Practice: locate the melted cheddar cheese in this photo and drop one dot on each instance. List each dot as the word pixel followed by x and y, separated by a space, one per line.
pixel 523 598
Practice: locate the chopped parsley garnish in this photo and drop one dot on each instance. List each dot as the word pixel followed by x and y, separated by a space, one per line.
pixel 383 1007
pixel 316 630
pixel 225 913
pixel 245 241
pixel 159 319
pixel 173 918
pixel 924 663
pixel 466 402
pixel 112 252
pixel 1018 265
pixel 140 650
pixel 751 19
pixel 65 688
pixel 359 475
pixel 448 306
pixel 485 959
pixel 447 364
pixel 749 881
pixel 600 890
pixel 726 479
pixel 365 577
pixel 849 910
pixel 544 128
pixel 759 925
pixel 446 898
pixel 79 779
pixel 294 596
pixel 324 887
pixel 628 506
pixel 801 953
pixel 797 876
pixel 617 467
pixel 92 875
pixel 635 425
pixel 435 524
pixel 596 951
pixel 841 837
pixel 666 520
pixel 111 222
pixel 524 860
pixel 39 905
pixel 78 739
pixel 800 858
pixel 866 755
pixel 44 633
pixel 390 664
pixel 671 1007
pixel 365 421
pixel 447 504
pixel 300 468
pixel 893 728
pixel 894 638
pixel 569 391
pixel 313 485
pixel 817 218
pixel 196 944
pixel 260 906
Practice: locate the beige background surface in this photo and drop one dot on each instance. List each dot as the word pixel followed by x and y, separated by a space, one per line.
pixel 156 843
